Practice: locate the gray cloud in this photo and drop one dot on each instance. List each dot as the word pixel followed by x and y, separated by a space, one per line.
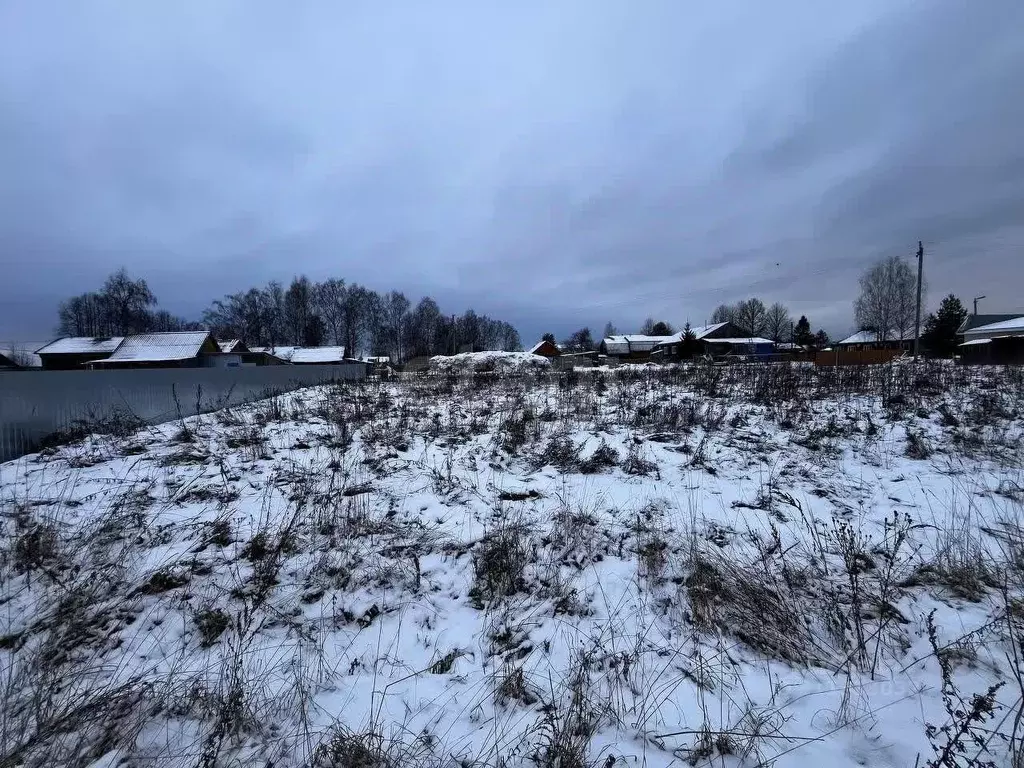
pixel 554 164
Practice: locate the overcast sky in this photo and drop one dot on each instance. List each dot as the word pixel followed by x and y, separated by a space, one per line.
pixel 552 163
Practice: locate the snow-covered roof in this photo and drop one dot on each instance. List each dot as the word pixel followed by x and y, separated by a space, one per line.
pixel 870 337
pixel 1014 325
pixel 975 342
pixel 316 355
pixel 974 321
pixel 700 331
pixel 541 343
pixel 623 344
pixel 156 347
pixel 81 345
pixel 231 346
pixel 741 340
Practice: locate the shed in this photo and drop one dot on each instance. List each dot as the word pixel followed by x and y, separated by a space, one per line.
pixel 545 348
pixel 742 346
pixel 178 349
pixel 71 352
pixel 1000 342
pixel 868 339
pixel 634 346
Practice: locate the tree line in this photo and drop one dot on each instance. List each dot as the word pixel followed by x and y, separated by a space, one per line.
pixel 306 313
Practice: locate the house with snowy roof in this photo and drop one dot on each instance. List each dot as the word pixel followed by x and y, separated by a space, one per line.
pixel 999 342
pixel 70 353
pixel 175 349
pixel 714 339
pixel 871 339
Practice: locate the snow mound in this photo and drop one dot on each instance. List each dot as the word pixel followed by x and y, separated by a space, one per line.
pixel 490 362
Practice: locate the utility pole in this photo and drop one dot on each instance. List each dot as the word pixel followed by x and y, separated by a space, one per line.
pixel 917 313
pixel 976 300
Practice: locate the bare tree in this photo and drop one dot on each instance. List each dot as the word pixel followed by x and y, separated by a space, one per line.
pixel 298 310
pixel 610 329
pixel 724 313
pixel 126 303
pixel 358 318
pixel 752 316
pixel 888 295
pixel 82 316
pixel 394 310
pixel 778 324
pixel 329 298
pixel 424 328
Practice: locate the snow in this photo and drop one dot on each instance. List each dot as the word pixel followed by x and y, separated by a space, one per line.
pixel 741 340
pixel 80 345
pixel 700 331
pixel 975 342
pixel 647 603
pixel 156 347
pixel 316 355
pixel 1005 326
pixel 486 362
pixel 870 337
pixel 626 344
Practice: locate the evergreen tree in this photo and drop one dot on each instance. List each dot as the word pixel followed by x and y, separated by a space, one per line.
pixel 939 336
pixel 550 337
pixel 690 346
pixel 821 339
pixel 802 332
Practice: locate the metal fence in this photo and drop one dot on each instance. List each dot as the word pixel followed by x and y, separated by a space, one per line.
pixel 36 404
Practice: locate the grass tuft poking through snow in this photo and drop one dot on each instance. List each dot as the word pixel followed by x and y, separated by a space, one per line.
pixel 500 565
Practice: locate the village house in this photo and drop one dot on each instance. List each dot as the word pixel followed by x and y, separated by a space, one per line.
pixel 715 339
pixel 180 349
pixel 631 347
pixel 998 342
pixel 72 352
pixel 868 339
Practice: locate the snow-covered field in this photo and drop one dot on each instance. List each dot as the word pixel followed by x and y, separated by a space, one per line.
pixel 652 567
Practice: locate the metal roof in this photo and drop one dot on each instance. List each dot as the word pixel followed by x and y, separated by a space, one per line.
pixel 871 337
pixel 634 342
pixel 317 355
pixel 975 321
pixel 81 345
pixel 155 347
pixel 1011 325
pixel 700 331
pixel 743 340
pixel 974 342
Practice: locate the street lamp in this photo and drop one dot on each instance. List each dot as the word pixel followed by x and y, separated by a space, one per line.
pixel 976 300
